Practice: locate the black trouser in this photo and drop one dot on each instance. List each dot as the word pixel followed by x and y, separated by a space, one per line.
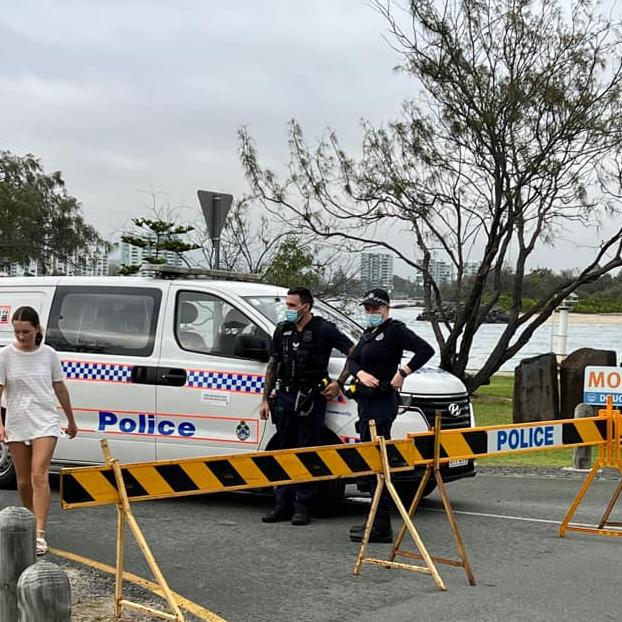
pixel 382 408
pixel 294 430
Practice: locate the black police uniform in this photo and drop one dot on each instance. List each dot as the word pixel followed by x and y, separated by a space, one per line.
pixel 298 411
pixel 379 353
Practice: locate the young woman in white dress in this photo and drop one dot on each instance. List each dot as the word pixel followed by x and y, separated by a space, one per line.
pixel 32 384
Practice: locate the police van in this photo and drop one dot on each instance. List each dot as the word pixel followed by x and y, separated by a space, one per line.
pixel 172 366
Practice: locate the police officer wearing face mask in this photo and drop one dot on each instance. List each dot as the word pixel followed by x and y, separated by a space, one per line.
pixel 375 364
pixel 298 372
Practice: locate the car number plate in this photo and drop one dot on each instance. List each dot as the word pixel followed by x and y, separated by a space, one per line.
pixel 458 463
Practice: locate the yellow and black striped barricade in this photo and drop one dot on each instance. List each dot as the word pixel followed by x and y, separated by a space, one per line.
pixel 113 483
pixel 96 485
pixel 608 457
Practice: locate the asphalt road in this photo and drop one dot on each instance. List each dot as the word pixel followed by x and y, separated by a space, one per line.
pixel 215 551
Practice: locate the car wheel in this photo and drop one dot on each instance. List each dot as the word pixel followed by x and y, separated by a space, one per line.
pixel 7 468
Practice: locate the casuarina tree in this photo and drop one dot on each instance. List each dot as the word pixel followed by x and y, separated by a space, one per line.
pixel 157 237
pixel 513 134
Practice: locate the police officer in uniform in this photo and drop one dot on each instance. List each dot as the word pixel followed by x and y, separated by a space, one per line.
pixel 375 364
pixel 298 373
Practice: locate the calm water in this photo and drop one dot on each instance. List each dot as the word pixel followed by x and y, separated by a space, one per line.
pixel 602 336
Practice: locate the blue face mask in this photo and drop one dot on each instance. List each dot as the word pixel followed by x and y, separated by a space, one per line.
pixel 375 319
pixel 291 315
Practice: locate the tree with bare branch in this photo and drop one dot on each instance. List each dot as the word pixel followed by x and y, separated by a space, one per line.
pixel 260 244
pixel 514 137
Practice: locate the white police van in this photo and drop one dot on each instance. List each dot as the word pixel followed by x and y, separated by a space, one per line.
pixel 174 367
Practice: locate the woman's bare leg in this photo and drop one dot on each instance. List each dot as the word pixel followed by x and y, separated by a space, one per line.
pixel 42 451
pixel 22 456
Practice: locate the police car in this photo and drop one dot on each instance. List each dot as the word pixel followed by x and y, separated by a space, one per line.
pixel 172 366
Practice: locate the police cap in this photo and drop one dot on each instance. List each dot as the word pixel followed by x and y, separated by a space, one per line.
pixel 376 297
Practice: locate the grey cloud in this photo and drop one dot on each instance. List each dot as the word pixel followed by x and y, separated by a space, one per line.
pixel 125 96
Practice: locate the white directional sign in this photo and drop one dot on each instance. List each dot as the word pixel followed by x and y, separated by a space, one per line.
pixel 599 382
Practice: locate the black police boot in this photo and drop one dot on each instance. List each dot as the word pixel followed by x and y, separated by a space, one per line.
pixel 277 515
pixel 380 532
pixel 301 514
pixel 300 518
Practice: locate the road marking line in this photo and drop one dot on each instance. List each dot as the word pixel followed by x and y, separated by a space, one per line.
pixel 366 501
pixel 184 603
pixel 506 516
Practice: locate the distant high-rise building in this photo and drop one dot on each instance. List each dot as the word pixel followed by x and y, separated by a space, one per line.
pixel 377 270
pixel 440 271
pixel 90 262
pixel 471 268
pixel 134 255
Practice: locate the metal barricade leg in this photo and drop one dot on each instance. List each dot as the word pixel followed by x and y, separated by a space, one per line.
pixel 608 457
pixel 411 511
pixel 434 468
pixel 125 513
pixel 384 479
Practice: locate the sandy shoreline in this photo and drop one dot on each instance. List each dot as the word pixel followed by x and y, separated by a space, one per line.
pixel 573 318
pixel 589 318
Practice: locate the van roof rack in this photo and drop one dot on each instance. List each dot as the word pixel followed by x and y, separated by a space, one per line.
pixel 165 271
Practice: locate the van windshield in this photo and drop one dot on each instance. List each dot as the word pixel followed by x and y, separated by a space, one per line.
pixel 273 307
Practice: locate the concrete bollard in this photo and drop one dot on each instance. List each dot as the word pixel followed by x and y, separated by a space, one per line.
pixel 17 552
pixel 44 594
pixel 582 456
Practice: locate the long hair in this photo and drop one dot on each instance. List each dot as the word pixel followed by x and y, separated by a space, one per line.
pixel 28 314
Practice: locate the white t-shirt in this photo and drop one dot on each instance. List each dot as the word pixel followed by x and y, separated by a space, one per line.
pixel 31 404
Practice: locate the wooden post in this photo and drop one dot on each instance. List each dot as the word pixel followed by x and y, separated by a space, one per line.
pixel 17 552
pixel 44 594
pixel 582 456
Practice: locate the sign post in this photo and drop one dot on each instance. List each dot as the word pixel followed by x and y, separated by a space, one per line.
pixel 215 207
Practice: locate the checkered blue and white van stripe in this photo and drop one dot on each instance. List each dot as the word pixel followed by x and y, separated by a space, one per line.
pixel 102 372
pixel 225 381
pixel 196 378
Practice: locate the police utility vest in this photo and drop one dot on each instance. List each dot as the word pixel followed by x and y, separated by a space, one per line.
pixel 301 364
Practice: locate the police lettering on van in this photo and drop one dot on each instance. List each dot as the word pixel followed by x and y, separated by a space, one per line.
pixel 143 424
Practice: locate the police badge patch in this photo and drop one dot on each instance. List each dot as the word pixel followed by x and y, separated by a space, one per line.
pixel 243 432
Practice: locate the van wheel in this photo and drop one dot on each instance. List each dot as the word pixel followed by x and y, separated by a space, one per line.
pixel 406 490
pixel 7 468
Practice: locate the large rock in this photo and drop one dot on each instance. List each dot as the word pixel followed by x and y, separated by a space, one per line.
pixel 536 395
pixel 571 373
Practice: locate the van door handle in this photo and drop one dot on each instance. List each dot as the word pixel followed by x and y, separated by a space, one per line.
pixel 172 376
pixel 145 374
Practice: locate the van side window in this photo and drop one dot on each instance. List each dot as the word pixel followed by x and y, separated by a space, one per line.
pixel 104 320
pixel 207 324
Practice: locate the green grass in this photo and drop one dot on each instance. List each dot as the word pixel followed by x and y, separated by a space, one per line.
pixel 493 406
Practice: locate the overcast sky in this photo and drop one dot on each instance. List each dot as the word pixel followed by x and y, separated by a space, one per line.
pixel 128 96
